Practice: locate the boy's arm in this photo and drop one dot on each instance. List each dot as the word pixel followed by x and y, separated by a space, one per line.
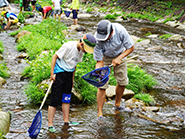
pixel 53 62
pixel 73 76
pixel 8 24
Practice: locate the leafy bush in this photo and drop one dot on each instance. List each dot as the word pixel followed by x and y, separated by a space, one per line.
pixel 139 80
pixel 45 36
pixel 89 9
pixel 34 94
pixel 88 91
pixel 3 70
pixel 1 47
pixel 148 99
pixel 110 16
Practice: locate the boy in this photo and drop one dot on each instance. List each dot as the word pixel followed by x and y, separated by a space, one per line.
pixel 63 66
pixel 57 10
pixel 75 9
pixel 46 11
pixel 11 18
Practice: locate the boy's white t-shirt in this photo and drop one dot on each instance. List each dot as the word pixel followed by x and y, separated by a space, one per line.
pixel 69 56
pixel 57 4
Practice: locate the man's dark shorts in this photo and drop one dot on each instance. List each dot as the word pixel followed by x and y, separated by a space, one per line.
pixel 61 88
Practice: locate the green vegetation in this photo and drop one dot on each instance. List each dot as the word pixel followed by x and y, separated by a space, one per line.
pixel 1 47
pixel 3 70
pixel 165 36
pixel 23 16
pixel 148 99
pixel 139 80
pixel 89 9
pixel 110 16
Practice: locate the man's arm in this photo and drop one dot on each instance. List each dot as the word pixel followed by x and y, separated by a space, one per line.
pixel 117 61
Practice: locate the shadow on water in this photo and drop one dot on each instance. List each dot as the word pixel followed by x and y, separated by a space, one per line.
pixel 167 66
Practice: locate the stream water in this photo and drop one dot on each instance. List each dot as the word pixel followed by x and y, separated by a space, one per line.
pixel 167 65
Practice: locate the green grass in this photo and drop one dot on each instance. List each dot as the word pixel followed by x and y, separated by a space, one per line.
pixel 1 47
pixel 165 36
pixel 148 99
pixel 4 70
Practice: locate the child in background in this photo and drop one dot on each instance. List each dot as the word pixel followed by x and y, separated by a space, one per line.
pixel 57 10
pixel 75 9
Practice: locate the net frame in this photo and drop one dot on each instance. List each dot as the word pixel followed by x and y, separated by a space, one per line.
pixel 97 77
pixel 35 127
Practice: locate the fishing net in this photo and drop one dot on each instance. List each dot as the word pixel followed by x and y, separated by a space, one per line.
pixel 67 13
pixel 97 77
pixel 36 125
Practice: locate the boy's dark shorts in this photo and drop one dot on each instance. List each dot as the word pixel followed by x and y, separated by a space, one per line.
pixel 61 88
pixel 75 14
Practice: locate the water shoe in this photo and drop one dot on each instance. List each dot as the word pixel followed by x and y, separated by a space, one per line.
pixel 51 129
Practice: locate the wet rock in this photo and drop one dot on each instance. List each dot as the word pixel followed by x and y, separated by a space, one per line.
pixel 80 28
pixel 175 37
pixel 135 39
pixel 1 57
pixel 172 23
pixel 23 55
pixel 154 48
pixel 143 42
pixel 135 103
pixel 2 81
pixel 151 108
pixel 110 93
pixel 76 97
pixel 5 120
pixel 21 34
pixel 153 36
pixel 180 45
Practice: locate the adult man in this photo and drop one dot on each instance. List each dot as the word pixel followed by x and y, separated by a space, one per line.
pixel 11 18
pixel 63 67
pixel 46 11
pixel 113 44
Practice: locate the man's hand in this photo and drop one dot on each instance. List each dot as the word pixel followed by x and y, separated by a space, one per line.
pixel 116 61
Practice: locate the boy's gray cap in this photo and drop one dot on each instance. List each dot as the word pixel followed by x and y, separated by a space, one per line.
pixel 103 30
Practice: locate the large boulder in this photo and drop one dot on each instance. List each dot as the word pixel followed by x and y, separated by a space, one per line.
pixel 110 93
pixel 2 81
pixel 5 120
pixel 21 34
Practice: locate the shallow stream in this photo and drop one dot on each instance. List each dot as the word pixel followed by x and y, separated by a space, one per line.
pixel 167 65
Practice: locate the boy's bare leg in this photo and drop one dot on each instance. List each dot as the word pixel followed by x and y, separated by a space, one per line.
pixel 51 113
pixel 65 110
